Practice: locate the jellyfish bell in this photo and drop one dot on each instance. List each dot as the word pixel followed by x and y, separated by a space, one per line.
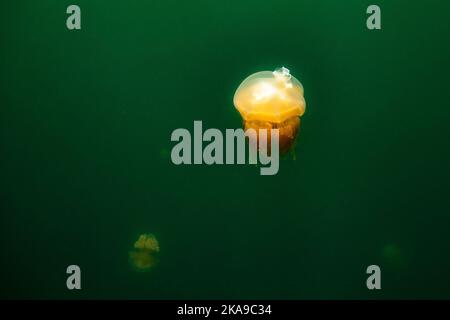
pixel 272 100
pixel 144 254
pixel 270 96
pixel 147 242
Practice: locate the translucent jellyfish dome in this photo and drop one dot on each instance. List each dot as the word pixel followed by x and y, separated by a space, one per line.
pixel 270 96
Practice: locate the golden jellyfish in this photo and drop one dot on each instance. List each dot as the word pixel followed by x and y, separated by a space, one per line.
pixel 145 251
pixel 272 100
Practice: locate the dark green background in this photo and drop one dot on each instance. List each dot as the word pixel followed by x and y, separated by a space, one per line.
pixel 86 118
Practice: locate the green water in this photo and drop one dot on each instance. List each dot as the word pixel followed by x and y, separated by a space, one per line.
pixel 85 168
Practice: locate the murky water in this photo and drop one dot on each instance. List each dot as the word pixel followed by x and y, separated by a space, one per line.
pixel 86 118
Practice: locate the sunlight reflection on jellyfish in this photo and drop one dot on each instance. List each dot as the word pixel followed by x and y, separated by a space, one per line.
pixel 143 257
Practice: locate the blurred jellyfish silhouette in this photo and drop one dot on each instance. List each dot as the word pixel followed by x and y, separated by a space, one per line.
pixel 144 255
pixel 272 100
pixel 393 257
